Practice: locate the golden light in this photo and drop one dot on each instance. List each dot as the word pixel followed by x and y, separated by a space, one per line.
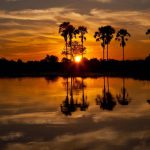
pixel 78 59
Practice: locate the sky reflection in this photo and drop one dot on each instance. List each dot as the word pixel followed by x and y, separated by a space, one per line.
pixel 31 117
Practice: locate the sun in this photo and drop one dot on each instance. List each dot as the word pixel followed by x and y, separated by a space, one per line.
pixel 78 59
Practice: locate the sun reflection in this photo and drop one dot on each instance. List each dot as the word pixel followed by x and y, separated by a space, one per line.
pixel 78 59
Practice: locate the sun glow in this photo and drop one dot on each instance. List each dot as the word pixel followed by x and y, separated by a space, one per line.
pixel 78 59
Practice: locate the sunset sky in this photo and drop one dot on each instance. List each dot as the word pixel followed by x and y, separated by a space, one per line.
pixel 29 28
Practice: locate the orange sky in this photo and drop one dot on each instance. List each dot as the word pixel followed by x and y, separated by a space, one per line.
pixel 30 31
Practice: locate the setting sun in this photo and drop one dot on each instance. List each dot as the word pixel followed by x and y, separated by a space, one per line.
pixel 78 59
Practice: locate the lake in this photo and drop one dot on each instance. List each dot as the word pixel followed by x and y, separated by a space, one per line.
pixel 74 114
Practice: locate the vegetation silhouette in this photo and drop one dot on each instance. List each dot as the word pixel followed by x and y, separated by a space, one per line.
pixel 70 105
pixel 63 30
pixel 82 30
pixel 148 32
pixel 123 98
pixel 122 36
pixel 106 101
pixel 68 31
pixel 51 66
pixel 105 34
pixel 148 101
pixel 100 36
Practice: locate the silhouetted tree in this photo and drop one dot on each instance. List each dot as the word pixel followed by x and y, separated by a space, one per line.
pixel 105 34
pixel 100 36
pixel 72 33
pixel 109 31
pixel 68 31
pixel 63 30
pixel 50 59
pixel 148 32
pixel 122 36
pixel 82 30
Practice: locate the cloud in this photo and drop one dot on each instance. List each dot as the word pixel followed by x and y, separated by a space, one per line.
pixel 104 1
pixel 38 14
pixel 100 139
pixel 12 0
pixel 35 22
pixel 11 136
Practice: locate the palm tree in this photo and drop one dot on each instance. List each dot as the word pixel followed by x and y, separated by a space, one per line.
pixel 109 31
pixel 71 33
pixel 148 32
pixel 100 36
pixel 82 30
pixel 105 34
pixel 63 30
pixel 68 31
pixel 122 36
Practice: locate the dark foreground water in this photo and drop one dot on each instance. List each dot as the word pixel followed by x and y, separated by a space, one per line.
pixel 74 114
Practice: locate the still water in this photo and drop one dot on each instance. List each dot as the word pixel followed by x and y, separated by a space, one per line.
pixel 74 114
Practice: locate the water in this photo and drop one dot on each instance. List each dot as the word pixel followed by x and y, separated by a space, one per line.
pixel 98 113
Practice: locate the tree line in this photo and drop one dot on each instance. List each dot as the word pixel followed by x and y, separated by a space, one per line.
pixel 104 35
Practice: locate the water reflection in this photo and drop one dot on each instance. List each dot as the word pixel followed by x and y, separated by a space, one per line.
pixel 123 98
pixel 30 116
pixel 106 101
pixel 70 105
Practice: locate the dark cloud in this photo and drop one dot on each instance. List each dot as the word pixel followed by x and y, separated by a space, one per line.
pixel 82 5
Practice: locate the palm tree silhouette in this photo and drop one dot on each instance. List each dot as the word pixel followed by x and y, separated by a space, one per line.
pixel 63 30
pixel 106 101
pixel 109 31
pixel 68 31
pixel 104 34
pixel 122 37
pixel 100 36
pixel 71 33
pixel 123 98
pixel 148 32
pixel 82 30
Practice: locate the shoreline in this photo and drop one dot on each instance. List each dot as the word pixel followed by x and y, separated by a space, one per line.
pixel 83 75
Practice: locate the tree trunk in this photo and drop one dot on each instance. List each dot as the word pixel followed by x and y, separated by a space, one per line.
pixel 107 52
pixel 123 53
pixel 66 50
pixel 72 58
pixel 103 53
pixel 82 48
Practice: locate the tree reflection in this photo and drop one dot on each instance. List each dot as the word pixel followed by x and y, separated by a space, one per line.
pixel 123 98
pixel 106 101
pixel 65 107
pixel 84 104
pixel 70 105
